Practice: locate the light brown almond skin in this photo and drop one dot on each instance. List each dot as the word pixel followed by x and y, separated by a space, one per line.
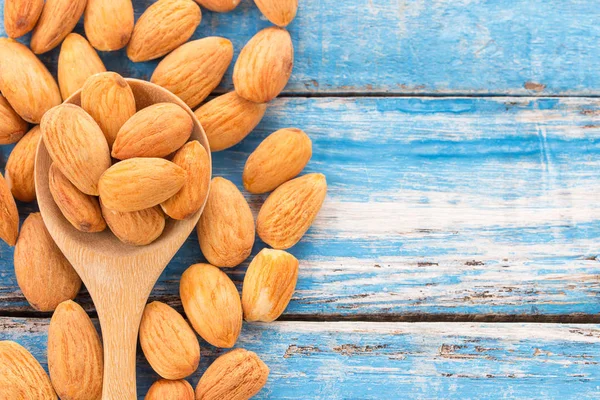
pixel 140 183
pixel 12 126
pixel 279 158
pixel 76 63
pixel 137 228
pixel 193 158
pixel 20 16
pixel 108 98
pixel 75 359
pixel 237 375
pixel 269 285
pixel 57 20
pixel 21 375
pixel 155 131
pixel 9 215
pixel 194 69
pixel 169 344
pixel 81 210
pixel 170 390
pixel 163 27
pixel 219 5
pixel 228 119
pixel 108 23
pixel 212 304
pixel 77 146
pixel 264 66
pixel 226 227
pixel 26 82
pixel 20 166
pixel 290 210
pixel 44 275
pixel 279 12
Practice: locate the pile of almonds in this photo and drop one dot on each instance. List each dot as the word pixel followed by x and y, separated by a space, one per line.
pixel 128 169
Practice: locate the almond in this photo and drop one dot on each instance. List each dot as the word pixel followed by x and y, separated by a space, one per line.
pixel 9 221
pixel 81 210
pixel 21 375
pixel 237 375
pixel 108 98
pixel 279 158
pixel 193 158
pixel 77 146
pixel 264 66
pixel 212 304
pixel 76 63
pixel 290 210
pixel 43 273
pixel 194 69
pixel 226 227
pixel 75 358
pixel 163 27
pixel 228 119
pixel 140 183
pixel 26 82
pixel 57 20
pixel 155 131
pixel 170 390
pixel 20 16
pixel 12 126
pixel 279 12
pixel 20 166
pixel 137 228
pixel 219 5
pixel 108 23
pixel 168 342
pixel 269 285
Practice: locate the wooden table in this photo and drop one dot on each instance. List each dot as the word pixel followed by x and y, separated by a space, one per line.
pixel 455 256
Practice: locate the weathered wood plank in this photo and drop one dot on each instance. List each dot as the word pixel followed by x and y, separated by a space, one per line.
pixel 356 360
pixel 435 206
pixel 448 47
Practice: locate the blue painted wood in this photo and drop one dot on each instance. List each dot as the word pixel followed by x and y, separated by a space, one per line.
pixel 452 47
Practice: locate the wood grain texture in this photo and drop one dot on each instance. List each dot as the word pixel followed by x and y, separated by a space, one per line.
pixel 354 360
pixel 525 47
pixel 437 206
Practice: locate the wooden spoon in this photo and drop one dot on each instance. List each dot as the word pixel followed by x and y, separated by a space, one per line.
pixel 119 277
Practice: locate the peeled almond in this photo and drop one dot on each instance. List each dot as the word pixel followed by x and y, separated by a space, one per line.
pixel 137 228
pixel 12 126
pixel 76 63
pixel 58 19
pixel 21 376
pixel 21 165
pixel 164 389
pixel 20 16
pixel 108 24
pixel 9 215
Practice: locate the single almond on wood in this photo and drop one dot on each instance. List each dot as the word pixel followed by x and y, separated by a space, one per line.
pixel 279 12
pixel 212 304
pixel 194 69
pixel 279 158
pixel 269 285
pixel 226 227
pixel 76 63
pixel 20 16
pixel 164 389
pixel 237 375
pixel 77 146
pixel 21 164
pixel 228 119
pixel 137 228
pixel 57 20
pixel 21 376
pixel 219 5
pixel 168 342
pixel 81 210
pixel 193 158
pixel 163 27
pixel 155 131
pixel 140 183
pixel 290 210
pixel 75 358
pixel 26 82
pixel 108 98
pixel 264 66
pixel 43 273
pixel 9 215
pixel 12 126
pixel 108 23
